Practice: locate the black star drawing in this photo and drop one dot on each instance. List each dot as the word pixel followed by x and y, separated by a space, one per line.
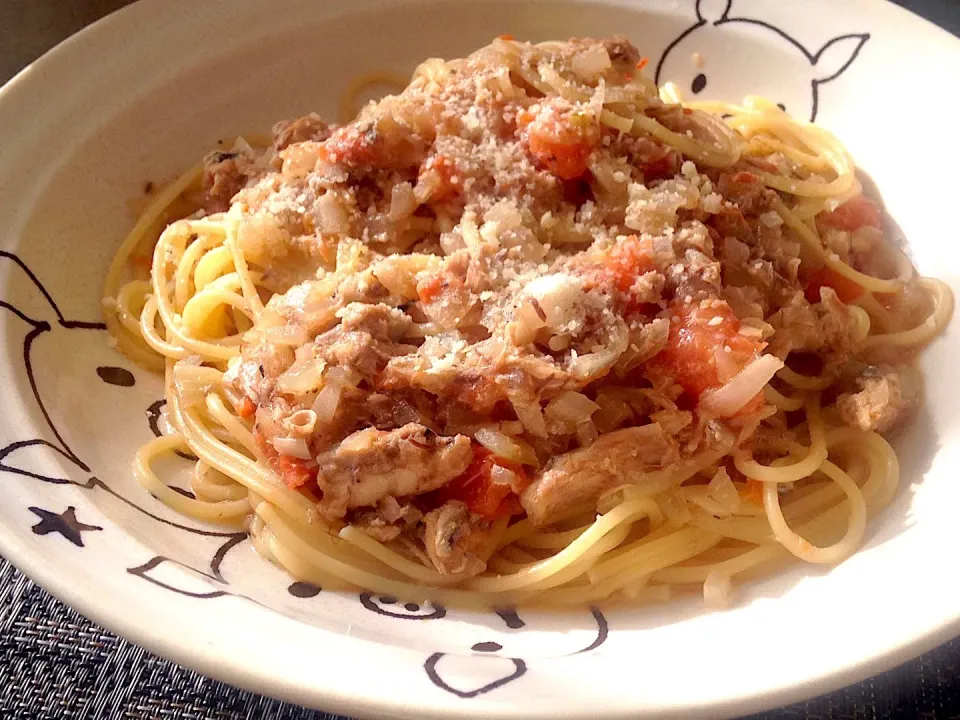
pixel 65 523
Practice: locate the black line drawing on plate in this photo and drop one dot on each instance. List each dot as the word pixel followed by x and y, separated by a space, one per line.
pixel 813 68
pixel 43 317
pixel 302 589
pixel 65 524
pixel 432 668
pixel 143 571
pixel 382 605
pixel 41 314
pixel 434 665
pixel 438 670
pixel 116 376
pixel 510 617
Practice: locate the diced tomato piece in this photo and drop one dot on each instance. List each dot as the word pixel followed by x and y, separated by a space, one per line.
pixel 566 161
pixel 295 471
pixel 263 446
pixel 847 290
pixel 524 118
pixel 745 177
pixel 617 270
pixel 642 63
pixel 480 393
pixel 506 36
pixel 577 192
pixel 432 287
pixel 754 406
pixel 855 213
pixel 696 335
pixel 752 492
pixel 352 146
pixel 247 408
pixel 483 496
pixel 446 172
pixel 556 143
pixel 629 259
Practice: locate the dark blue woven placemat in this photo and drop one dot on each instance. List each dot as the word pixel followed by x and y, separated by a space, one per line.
pixel 56 665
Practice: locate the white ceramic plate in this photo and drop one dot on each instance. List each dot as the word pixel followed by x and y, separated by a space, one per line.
pixel 147 91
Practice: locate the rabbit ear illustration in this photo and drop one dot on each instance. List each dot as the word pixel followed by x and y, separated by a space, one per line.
pixel 178 578
pixel 41 460
pixel 713 11
pixel 26 296
pixel 835 57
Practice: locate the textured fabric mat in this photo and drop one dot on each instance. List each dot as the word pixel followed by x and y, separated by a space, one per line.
pixel 56 665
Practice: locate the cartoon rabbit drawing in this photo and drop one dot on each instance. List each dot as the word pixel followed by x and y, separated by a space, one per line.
pixel 64 359
pixel 69 370
pixel 793 81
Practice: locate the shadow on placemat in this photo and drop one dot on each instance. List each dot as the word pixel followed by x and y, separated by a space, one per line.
pixel 55 665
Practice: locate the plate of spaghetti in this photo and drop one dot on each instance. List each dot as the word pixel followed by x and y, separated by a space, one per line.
pixel 486 359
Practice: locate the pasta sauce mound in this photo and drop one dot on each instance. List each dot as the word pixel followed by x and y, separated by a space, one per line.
pixel 527 290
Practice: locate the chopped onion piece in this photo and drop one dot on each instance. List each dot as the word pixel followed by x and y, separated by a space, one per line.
pixel 591 62
pixel 724 492
pixel 727 367
pixel 525 325
pixel 717 590
pixel 727 400
pixel 295 335
pixel 674 508
pixel 294 447
pixel 587 433
pixel 304 376
pixel 699 495
pixel 499 475
pixel 325 406
pixel 531 415
pixel 570 408
pixel 610 499
pixel 402 201
pixel 330 215
pixel 596 364
pixel 512 427
pixel 390 509
pixel 506 447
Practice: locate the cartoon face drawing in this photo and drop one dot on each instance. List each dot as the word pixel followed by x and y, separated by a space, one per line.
pixel 484 651
pixel 793 82
pixel 68 369
pixel 467 653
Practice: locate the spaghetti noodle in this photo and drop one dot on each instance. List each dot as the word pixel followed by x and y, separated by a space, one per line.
pixel 529 331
